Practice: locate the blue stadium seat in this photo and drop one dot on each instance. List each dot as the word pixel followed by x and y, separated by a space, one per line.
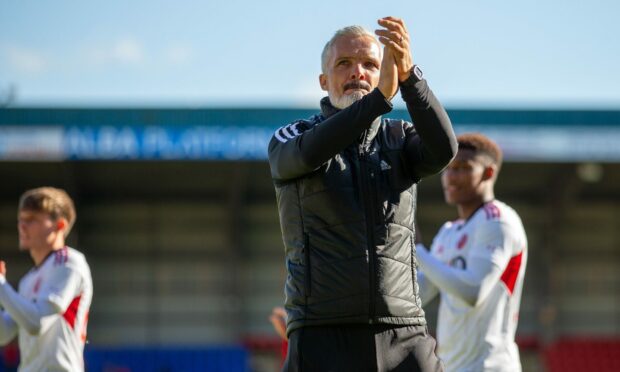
pixel 212 359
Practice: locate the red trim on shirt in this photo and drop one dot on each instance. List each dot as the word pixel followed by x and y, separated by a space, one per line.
pixel 461 243
pixel 71 312
pixel 509 277
pixel 37 285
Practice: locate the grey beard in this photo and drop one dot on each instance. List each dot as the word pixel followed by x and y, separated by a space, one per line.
pixel 345 100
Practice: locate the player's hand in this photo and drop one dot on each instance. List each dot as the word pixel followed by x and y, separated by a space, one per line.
pixel 396 37
pixel 278 320
pixel 388 78
pixel 3 268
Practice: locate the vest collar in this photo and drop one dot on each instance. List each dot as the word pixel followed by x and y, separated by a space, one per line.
pixel 327 110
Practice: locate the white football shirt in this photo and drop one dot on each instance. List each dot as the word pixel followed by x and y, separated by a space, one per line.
pixel 476 332
pixel 64 280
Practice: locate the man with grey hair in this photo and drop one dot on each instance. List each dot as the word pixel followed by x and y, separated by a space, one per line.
pixel 342 101
pixel 345 182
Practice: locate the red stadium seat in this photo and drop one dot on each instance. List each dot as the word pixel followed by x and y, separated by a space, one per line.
pixel 583 354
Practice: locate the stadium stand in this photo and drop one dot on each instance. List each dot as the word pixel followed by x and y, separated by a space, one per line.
pixel 178 221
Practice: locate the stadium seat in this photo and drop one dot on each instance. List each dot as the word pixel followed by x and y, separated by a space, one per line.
pixel 214 359
pixel 583 354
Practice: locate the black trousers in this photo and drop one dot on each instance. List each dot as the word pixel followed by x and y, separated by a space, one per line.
pixel 360 348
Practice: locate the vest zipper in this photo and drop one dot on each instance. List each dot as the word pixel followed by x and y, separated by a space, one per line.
pixel 367 191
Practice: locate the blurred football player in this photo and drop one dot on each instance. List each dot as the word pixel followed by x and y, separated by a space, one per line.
pixel 49 311
pixel 476 264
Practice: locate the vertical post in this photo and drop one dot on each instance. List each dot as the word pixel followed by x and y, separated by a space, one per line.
pixel 236 199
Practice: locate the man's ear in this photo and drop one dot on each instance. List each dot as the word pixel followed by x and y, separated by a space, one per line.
pixel 323 81
pixel 488 173
pixel 61 224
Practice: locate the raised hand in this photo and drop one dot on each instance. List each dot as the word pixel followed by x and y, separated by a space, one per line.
pixel 395 37
pixel 388 79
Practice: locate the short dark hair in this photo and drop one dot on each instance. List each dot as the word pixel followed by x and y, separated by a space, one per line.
pixel 481 144
pixel 55 202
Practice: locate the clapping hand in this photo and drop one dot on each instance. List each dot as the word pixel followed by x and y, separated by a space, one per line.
pixel 395 38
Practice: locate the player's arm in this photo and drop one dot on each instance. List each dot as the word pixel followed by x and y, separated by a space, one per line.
pixel 27 314
pixel 484 265
pixel 8 328
pixel 427 289
pixel 278 320
pixel 298 148
pixel 54 298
